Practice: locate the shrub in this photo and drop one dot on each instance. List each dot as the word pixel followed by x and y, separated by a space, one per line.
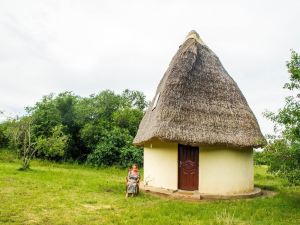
pixel 284 159
pixel 3 137
pixel 52 147
pixel 116 149
pixel 105 154
pixel 9 130
pixel 108 150
pixel 260 158
pixel 131 155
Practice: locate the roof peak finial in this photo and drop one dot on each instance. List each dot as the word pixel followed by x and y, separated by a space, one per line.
pixel 193 34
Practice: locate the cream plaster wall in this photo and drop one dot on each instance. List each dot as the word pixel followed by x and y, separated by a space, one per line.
pixel 160 165
pixel 221 171
pixel 225 171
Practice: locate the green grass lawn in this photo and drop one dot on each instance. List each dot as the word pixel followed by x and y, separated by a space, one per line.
pixel 52 193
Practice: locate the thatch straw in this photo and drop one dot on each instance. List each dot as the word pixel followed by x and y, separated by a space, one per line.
pixel 199 103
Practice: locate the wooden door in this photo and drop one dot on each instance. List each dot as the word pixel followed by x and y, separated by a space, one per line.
pixel 188 167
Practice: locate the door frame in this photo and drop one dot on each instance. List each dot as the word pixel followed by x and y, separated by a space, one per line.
pixel 178 166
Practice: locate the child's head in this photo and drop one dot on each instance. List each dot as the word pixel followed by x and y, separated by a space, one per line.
pixel 134 166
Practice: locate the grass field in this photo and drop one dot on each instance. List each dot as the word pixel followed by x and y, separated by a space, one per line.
pixel 52 193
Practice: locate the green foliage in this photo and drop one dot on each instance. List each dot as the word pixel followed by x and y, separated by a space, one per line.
pixel 4 140
pixel 283 152
pixel 260 158
pixel 54 112
pixel 109 123
pixel 128 118
pixel 294 69
pixel 54 146
pixel 115 149
pixel 105 154
pixel 284 159
pixel 99 128
pixel 3 137
pixel 134 99
pixel 93 133
pixel 97 107
pixel 130 155
pixel 45 116
pixel 9 129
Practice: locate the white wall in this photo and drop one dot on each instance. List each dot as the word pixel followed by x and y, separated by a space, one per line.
pixel 225 171
pixel 160 164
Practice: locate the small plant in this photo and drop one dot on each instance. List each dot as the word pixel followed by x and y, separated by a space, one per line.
pixel 147 180
pixel 226 218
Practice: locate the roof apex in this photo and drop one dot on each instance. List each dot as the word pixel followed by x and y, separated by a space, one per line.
pixel 193 34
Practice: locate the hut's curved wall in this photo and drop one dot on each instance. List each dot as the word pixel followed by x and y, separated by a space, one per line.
pixel 161 164
pixel 225 171
pixel 221 171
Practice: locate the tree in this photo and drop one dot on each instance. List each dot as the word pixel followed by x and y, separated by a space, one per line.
pixel 102 116
pixel 45 115
pixel 134 99
pixel 57 111
pixel 128 118
pixel 24 142
pixel 283 151
pixel 66 104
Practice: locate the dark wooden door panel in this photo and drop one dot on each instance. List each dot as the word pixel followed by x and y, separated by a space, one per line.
pixel 188 167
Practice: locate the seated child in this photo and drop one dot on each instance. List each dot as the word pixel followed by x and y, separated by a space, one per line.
pixel 132 179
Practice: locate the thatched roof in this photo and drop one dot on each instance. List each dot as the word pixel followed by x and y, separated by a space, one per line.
pixel 198 103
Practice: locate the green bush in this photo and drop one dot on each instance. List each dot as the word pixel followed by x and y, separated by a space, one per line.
pixel 131 155
pixel 108 150
pixel 284 159
pixel 116 149
pixel 105 154
pixel 11 131
pixel 260 158
pixel 3 137
pixel 53 147
pixel 93 133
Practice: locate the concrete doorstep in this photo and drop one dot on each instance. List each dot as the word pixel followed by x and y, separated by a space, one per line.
pixel 195 195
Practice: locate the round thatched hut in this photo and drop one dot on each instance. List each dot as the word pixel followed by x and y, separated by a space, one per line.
pixel 199 132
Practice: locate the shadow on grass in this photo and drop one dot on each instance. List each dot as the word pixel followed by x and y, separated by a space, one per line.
pixel 29 170
pixel 24 169
pixel 267 187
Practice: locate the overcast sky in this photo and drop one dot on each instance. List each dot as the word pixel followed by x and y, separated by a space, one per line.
pixel 88 46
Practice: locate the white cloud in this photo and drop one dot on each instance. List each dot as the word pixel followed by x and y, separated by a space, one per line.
pixel 87 46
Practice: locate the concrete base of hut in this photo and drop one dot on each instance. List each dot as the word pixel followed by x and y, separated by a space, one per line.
pixel 195 195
